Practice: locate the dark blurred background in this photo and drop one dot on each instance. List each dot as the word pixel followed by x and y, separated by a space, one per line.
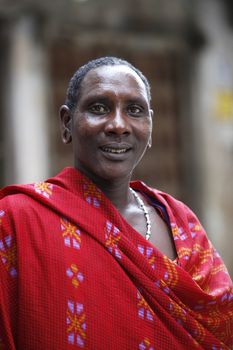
pixel 184 47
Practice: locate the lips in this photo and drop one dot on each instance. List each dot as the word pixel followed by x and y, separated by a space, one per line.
pixel 116 148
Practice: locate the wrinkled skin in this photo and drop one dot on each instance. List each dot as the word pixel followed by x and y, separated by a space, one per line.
pixel 113 115
pixel 110 130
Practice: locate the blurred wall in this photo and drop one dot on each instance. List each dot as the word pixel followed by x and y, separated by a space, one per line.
pixel 213 96
pixel 185 54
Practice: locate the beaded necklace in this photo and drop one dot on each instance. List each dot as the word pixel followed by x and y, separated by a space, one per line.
pixel 145 212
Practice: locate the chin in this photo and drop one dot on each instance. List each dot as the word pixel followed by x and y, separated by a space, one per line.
pixel 114 174
pixel 107 172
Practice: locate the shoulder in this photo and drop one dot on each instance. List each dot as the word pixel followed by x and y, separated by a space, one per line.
pixel 13 195
pixel 163 197
pixel 16 200
pixel 178 211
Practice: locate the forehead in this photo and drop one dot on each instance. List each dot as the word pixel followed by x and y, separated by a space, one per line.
pixel 115 79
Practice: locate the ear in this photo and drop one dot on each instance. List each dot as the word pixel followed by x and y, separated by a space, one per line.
pixel 66 121
pixel 149 143
pixel 150 139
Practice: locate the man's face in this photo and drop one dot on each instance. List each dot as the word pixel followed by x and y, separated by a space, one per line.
pixel 111 126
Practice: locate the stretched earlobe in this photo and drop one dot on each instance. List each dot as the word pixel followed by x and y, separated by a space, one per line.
pixel 65 119
pixel 66 136
pixel 150 139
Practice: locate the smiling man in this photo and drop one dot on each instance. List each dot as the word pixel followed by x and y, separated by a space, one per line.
pixel 91 260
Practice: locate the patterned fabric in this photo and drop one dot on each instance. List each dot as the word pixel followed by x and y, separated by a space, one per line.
pixel 75 275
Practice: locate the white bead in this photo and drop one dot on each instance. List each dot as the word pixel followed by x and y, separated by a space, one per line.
pixel 145 211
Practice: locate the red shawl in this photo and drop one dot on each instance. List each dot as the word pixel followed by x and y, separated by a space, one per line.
pixel 75 275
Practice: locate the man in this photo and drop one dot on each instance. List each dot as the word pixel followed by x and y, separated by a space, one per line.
pixel 92 261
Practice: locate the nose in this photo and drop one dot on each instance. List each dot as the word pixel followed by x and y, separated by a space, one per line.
pixel 117 123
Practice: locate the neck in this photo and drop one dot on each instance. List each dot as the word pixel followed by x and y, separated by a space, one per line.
pixel 118 194
pixel 116 190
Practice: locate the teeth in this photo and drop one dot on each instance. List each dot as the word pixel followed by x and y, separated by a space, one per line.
pixel 114 150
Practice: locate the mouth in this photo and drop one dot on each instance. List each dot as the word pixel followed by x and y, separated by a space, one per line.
pixel 114 150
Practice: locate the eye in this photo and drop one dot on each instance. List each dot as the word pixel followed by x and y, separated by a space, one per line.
pixel 135 110
pixel 98 108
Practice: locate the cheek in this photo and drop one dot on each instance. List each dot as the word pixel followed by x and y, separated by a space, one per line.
pixel 80 129
pixel 84 127
pixel 145 132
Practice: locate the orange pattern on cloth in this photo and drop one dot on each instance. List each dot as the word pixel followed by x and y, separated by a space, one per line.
pixel 87 280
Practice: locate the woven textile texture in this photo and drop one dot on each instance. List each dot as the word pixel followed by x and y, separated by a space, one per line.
pixel 75 275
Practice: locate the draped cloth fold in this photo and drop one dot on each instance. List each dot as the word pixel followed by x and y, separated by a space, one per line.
pixel 75 275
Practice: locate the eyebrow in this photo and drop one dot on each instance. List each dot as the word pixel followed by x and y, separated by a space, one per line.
pixel 94 98
pixel 106 99
pixel 137 100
